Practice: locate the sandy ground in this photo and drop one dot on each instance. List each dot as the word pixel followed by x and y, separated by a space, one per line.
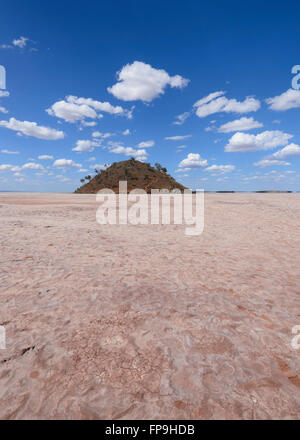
pixel 142 322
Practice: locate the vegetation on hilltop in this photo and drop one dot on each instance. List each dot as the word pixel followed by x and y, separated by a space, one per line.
pixel 138 175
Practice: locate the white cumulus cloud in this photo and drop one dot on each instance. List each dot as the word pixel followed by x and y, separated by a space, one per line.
pixel 193 161
pixel 32 129
pixel 9 152
pixel 89 123
pixel 26 166
pixel 32 166
pixel 66 164
pixel 289 150
pixel 20 42
pixel 5 167
pixel 180 119
pixel 216 103
pixel 242 124
pixel 86 145
pixel 17 42
pixel 140 81
pixel 146 144
pixel 45 157
pixel 99 106
pixel 98 134
pixel 71 112
pixel 128 151
pixel 262 141
pixel 270 162
pixel 285 101
pixel 220 169
pixel 178 138
pixel 73 109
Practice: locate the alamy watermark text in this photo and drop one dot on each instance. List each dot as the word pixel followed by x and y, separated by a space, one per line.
pixel 296 79
pixel 160 207
pixel 2 78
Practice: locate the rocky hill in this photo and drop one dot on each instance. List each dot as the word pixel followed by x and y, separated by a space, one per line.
pixel 137 174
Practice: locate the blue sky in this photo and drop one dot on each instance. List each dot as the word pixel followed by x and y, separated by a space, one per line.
pixel 204 88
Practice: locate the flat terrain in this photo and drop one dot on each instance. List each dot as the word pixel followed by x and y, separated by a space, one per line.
pixel 143 322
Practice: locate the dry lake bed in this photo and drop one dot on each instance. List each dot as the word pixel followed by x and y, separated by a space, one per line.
pixel 143 322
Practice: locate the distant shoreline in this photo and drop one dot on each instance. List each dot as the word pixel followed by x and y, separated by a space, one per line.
pixel 194 192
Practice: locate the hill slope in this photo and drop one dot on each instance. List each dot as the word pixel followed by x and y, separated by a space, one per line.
pixel 137 174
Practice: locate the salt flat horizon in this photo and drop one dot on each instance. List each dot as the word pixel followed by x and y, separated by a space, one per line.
pixel 143 322
pixel 282 191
